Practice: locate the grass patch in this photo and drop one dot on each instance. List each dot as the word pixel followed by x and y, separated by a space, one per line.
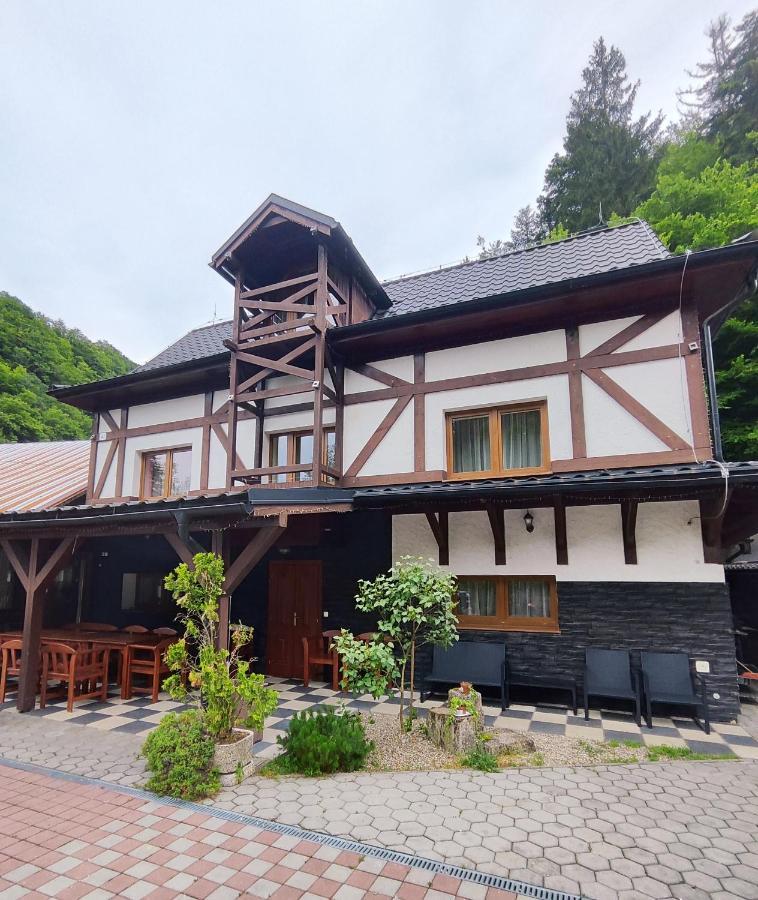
pixel 481 759
pixel 665 752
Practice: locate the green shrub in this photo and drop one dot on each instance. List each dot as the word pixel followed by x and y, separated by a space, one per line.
pixel 179 756
pixel 480 758
pixel 323 741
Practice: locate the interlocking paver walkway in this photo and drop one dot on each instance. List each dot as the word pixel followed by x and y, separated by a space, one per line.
pixel 68 840
pixel 684 830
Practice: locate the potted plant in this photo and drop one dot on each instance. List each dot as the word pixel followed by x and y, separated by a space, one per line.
pixel 232 701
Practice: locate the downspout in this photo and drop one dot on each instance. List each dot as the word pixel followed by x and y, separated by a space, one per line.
pixel 747 290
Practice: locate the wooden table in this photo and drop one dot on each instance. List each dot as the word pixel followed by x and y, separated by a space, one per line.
pixel 119 641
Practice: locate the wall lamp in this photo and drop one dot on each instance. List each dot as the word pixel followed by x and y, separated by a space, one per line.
pixel 528 522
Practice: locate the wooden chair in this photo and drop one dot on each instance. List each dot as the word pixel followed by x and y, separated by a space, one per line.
pixel 367 636
pixel 166 632
pixel 96 626
pixel 10 664
pixel 317 652
pixel 136 629
pixel 145 660
pixel 80 674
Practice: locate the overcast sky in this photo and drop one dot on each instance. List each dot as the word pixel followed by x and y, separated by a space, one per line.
pixel 136 135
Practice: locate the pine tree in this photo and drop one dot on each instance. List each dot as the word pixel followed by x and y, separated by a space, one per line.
pixel 724 105
pixel 609 158
pixel 527 228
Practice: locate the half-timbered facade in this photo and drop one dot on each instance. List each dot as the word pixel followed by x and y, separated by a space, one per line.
pixel 537 422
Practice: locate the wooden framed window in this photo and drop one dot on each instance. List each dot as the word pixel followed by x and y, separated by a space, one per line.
pixel 508 602
pixel 503 440
pixel 144 592
pixel 166 473
pixel 294 448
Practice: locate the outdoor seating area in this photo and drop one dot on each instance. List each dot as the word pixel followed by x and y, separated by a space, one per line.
pixel 80 661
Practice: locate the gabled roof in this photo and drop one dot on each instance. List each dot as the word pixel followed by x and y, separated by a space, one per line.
pixel 43 475
pixel 588 253
pixel 200 343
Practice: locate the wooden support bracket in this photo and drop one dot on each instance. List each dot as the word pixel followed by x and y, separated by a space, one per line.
pixel 496 515
pixel 629 530
pixel 561 539
pixel 439 525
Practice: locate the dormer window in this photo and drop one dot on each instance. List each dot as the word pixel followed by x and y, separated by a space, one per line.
pixel 166 473
pixel 504 440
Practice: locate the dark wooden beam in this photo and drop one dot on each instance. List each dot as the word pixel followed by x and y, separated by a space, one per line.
pixel 205 450
pixel 576 395
pixel 496 515
pixel 438 522
pixel 712 513
pixel 419 418
pixel 561 540
pixel 252 554
pixel 629 530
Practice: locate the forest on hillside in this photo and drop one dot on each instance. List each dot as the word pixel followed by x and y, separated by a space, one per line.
pixel 695 181
pixel 36 353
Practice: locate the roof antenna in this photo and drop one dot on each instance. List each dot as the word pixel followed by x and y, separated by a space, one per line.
pixel 601 221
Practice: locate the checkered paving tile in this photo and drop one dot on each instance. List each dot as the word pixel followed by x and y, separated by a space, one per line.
pixel 69 840
pixel 139 716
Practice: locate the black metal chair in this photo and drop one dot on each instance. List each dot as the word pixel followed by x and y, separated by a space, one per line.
pixel 483 663
pixel 609 674
pixel 667 678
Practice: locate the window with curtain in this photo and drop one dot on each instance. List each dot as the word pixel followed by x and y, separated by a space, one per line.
pixel 507 603
pixel 166 473
pixel 500 441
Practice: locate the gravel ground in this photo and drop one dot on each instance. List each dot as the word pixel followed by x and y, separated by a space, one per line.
pixel 413 751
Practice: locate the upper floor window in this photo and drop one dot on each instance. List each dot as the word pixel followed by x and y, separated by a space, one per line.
pixel 507 603
pixel 506 440
pixel 294 448
pixel 166 473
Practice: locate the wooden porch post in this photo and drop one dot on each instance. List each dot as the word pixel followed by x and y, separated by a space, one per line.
pixel 35 578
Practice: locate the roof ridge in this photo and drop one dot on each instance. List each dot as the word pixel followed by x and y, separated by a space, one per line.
pixel 542 245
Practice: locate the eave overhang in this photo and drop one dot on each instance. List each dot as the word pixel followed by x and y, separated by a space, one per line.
pixel 652 483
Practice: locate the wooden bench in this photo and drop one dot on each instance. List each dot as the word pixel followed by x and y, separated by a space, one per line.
pixel 483 663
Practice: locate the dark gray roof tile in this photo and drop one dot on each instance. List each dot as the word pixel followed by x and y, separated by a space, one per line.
pixel 590 253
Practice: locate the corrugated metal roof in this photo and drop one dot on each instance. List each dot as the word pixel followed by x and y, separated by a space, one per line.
pixel 591 253
pixel 43 475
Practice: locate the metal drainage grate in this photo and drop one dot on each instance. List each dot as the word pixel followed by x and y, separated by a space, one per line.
pixel 433 866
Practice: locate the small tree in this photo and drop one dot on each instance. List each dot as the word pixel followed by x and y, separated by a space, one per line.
pixel 414 604
pixel 217 680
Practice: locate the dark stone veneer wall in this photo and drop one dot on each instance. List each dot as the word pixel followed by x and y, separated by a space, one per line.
pixel 690 618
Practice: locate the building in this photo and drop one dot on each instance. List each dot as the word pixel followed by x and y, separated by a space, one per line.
pixel 537 422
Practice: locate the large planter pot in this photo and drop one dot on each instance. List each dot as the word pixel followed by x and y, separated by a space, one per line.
pixel 234 760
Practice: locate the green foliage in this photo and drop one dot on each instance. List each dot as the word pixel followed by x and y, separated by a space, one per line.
pixel 480 758
pixel 218 681
pixel 179 755
pixel 36 353
pixel 664 753
pixel 707 209
pixel 609 158
pixel 323 741
pixel 414 604
pixel 368 667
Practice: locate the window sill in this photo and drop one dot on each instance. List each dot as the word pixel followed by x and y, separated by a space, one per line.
pixel 528 629
pixel 511 473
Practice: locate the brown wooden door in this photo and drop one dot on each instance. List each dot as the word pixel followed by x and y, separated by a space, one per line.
pixel 294 612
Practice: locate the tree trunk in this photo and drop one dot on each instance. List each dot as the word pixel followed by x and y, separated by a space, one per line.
pixel 413 676
pixel 402 692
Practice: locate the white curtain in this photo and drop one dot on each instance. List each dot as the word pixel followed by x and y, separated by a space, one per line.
pixel 476 597
pixel 471 444
pixel 528 599
pixel 522 443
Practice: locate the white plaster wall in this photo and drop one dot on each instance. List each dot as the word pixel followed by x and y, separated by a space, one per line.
pixel 667 331
pixel 661 386
pixel 176 410
pixel 668 548
pixel 493 356
pixel 360 422
pixel 216 465
pixel 597 333
pixel 554 389
pixel 400 367
pixel 109 487
pixel 610 429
